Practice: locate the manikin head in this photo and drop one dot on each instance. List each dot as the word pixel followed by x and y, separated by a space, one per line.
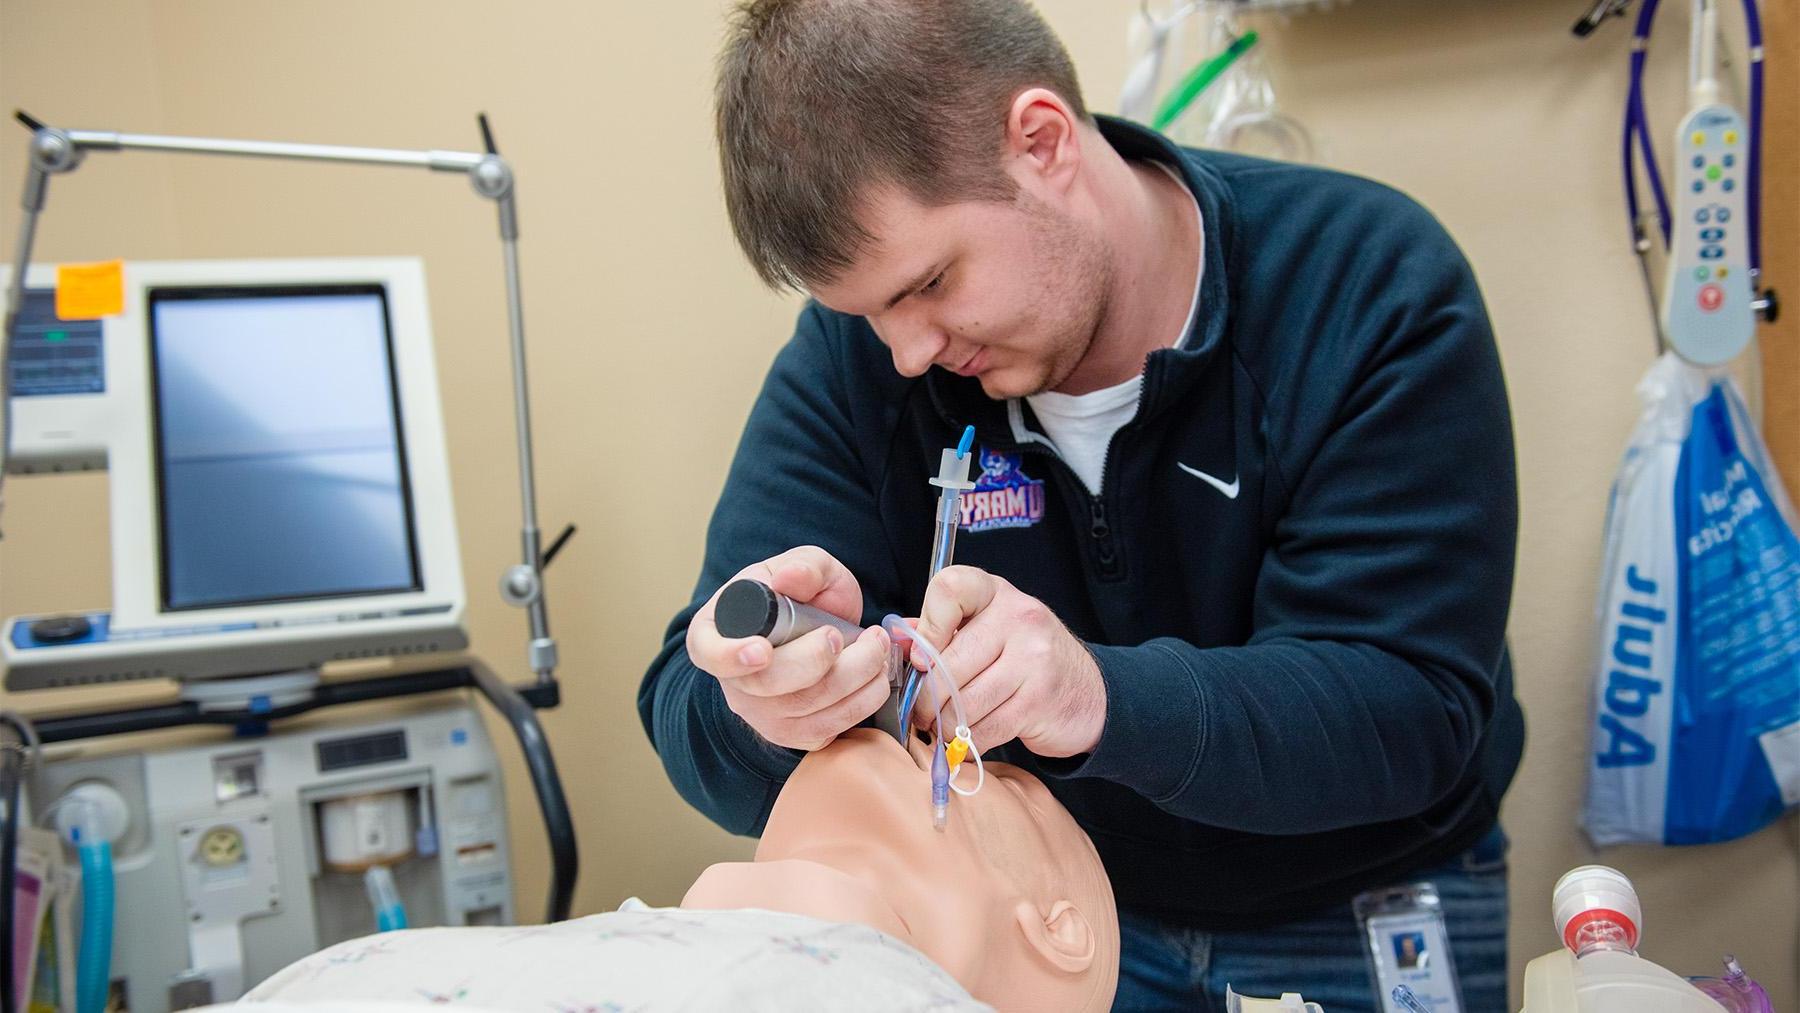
pixel 928 165
pixel 1010 898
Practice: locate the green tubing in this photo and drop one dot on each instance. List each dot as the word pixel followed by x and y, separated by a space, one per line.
pixel 1198 79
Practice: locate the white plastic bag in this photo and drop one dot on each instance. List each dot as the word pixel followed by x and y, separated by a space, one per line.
pixel 1696 719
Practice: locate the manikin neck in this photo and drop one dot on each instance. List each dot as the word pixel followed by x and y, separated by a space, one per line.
pixel 796 886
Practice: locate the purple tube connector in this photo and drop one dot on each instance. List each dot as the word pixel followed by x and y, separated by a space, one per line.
pixel 940 786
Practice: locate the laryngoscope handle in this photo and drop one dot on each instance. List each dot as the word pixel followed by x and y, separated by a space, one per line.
pixel 750 608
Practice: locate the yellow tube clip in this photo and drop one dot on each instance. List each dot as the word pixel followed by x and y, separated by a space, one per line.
pixel 956 752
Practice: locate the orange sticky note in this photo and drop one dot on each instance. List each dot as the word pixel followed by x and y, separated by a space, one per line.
pixel 87 291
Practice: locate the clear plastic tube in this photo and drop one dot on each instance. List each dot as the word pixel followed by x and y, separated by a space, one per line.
pixel 898 628
pixel 906 697
pixel 980 771
pixel 952 479
pixel 949 518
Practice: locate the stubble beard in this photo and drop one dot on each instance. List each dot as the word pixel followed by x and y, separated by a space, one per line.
pixel 1084 275
pixel 1077 271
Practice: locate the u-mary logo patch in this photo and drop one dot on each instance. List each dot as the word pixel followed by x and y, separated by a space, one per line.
pixel 1003 497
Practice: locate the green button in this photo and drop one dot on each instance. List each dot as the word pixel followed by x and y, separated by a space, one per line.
pixel 56 336
pixel 1700 273
pixel 1713 172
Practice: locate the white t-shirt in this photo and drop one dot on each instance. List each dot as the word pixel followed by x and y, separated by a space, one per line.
pixel 1082 425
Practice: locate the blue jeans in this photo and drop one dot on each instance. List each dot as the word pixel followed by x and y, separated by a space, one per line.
pixel 1164 966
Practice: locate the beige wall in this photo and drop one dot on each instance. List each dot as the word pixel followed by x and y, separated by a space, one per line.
pixel 649 337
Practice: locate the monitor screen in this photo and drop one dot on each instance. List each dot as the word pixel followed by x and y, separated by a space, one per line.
pixel 54 356
pixel 280 463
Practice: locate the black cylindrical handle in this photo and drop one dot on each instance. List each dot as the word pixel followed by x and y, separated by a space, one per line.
pixel 750 608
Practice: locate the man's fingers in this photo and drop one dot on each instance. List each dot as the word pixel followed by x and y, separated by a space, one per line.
pixel 812 576
pixel 848 712
pixel 973 649
pixel 971 654
pixel 807 574
pixel 1001 725
pixel 724 657
pixel 795 665
pixel 862 661
pixel 955 595
pixel 990 688
pixel 811 731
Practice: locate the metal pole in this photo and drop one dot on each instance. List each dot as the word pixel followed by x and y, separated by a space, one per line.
pixel 542 650
pixel 33 203
pixel 444 161
pixel 51 151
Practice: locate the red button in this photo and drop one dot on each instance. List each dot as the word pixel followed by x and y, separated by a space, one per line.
pixel 1711 297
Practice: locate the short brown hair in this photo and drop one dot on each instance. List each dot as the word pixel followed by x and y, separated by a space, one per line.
pixel 819 100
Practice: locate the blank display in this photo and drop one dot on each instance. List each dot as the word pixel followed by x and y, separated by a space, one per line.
pixel 281 467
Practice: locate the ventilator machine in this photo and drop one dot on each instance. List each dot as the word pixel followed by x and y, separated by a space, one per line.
pixel 280 507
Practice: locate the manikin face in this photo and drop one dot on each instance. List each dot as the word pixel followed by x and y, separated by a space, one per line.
pixel 1010 897
pixel 1012 293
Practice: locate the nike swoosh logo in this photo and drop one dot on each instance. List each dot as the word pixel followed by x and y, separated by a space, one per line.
pixel 1230 490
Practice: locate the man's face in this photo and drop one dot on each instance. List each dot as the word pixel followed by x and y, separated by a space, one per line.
pixel 1012 293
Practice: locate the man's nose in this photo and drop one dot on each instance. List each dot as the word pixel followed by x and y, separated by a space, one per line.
pixel 914 353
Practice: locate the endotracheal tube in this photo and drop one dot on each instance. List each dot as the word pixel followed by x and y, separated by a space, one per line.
pixel 947 753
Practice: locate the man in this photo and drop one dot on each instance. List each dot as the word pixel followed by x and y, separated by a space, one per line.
pixel 1242 602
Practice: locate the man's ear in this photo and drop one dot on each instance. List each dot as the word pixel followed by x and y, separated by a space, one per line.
pixel 1062 936
pixel 1042 141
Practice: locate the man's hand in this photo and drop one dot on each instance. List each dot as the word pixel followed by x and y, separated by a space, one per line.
pixel 1020 671
pixel 807 691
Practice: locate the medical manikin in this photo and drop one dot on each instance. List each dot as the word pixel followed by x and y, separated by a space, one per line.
pixel 852 901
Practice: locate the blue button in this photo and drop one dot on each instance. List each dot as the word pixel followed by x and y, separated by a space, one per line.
pixel 1712 235
pixel 1703 216
pixel 1729 185
pixel 1711 252
pixel 1699 185
pixel 1724 215
pixel 1699 161
pixel 1730 160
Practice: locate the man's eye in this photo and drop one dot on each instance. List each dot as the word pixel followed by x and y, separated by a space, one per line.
pixel 934 284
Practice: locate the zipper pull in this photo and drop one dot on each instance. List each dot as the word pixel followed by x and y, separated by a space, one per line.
pixel 1097 525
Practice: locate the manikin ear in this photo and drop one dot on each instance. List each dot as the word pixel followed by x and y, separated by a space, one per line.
pixel 1062 936
pixel 1042 142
